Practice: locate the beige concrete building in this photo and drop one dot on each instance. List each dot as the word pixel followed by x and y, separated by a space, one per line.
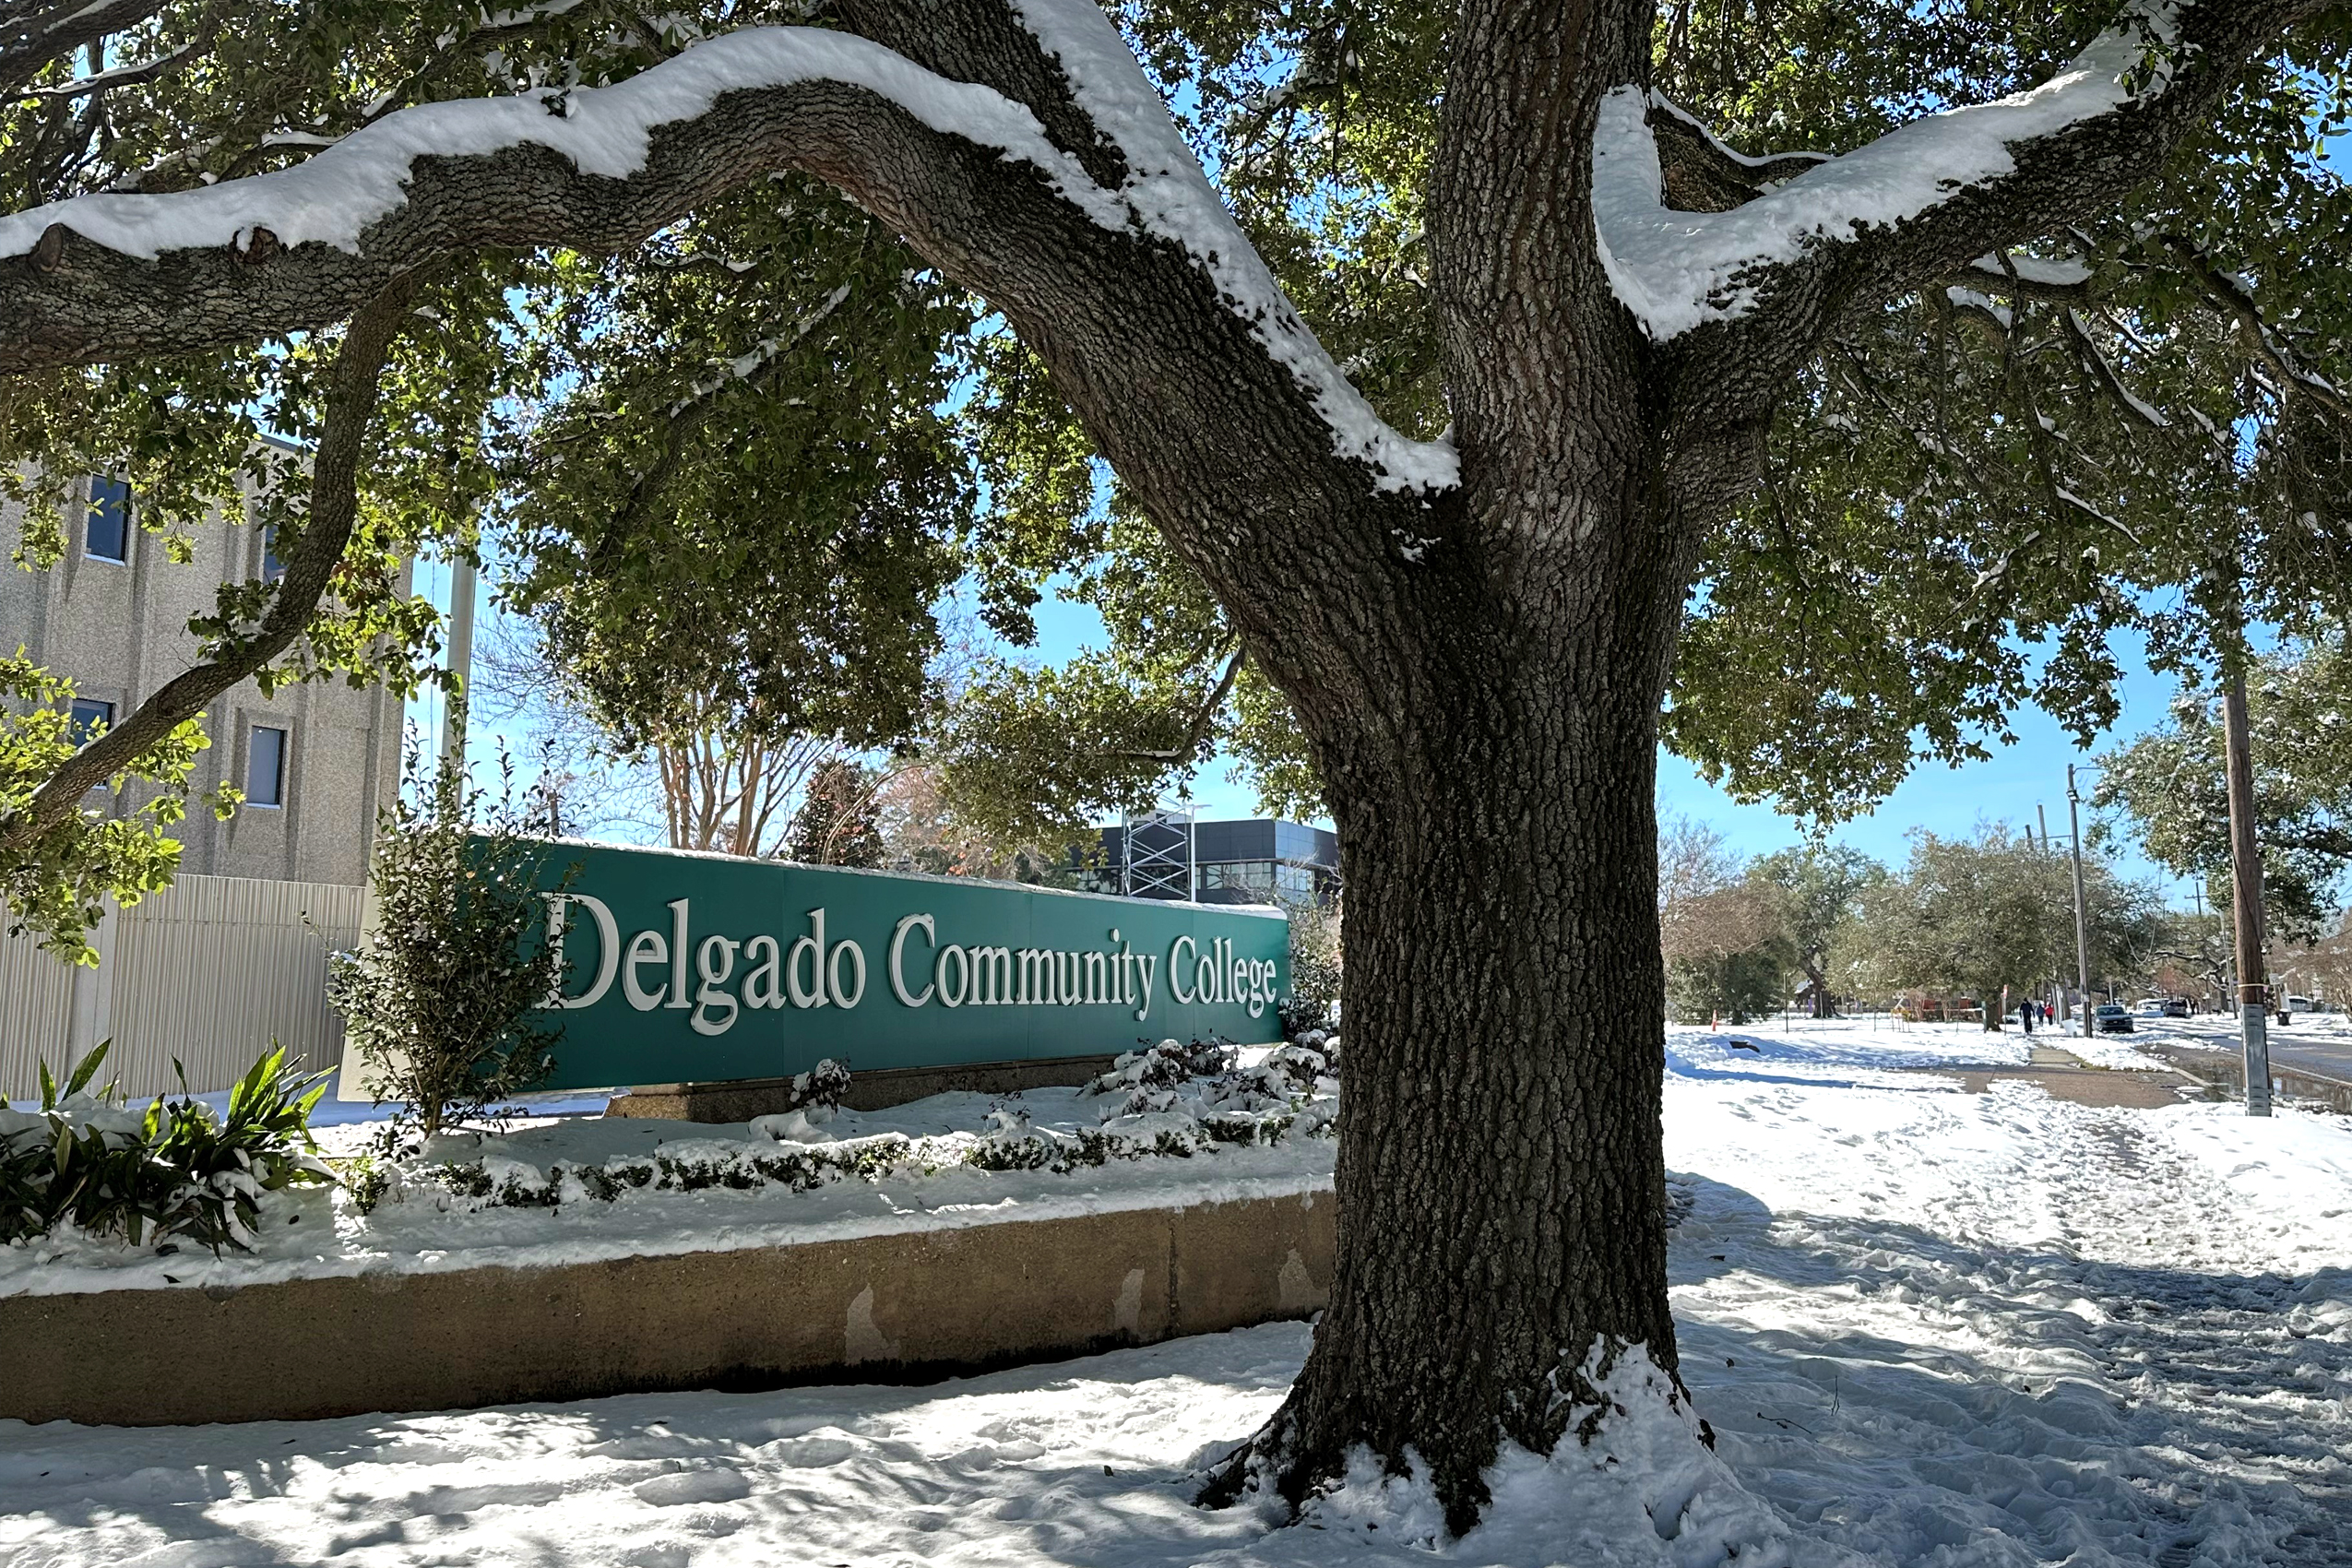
pixel 315 762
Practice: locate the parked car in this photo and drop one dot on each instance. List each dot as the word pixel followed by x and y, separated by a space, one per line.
pixel 2112 1019
pixel 2176 1006
pixel 2151 1008
pixel 2301 1004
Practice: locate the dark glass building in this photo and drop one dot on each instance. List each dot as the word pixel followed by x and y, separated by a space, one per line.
pixel 1261 861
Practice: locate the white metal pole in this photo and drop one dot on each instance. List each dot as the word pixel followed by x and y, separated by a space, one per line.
pixel 461 660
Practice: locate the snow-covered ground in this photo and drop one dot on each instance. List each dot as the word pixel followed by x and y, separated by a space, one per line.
pixel 1932 1329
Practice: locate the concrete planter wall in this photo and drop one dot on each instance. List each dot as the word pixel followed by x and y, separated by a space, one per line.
pixel 898 1308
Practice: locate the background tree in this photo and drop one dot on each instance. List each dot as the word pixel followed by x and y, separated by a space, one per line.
pixel 1732 957
pixel 1821 888
pixel 838 823
pixel 1695 868
pixel 1976 916
pixel 2171 789
pixel 1466 575
pixel 921 832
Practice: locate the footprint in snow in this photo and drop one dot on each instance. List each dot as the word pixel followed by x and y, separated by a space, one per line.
pixel 693 1486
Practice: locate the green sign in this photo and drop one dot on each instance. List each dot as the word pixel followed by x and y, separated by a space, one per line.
pixel 700 969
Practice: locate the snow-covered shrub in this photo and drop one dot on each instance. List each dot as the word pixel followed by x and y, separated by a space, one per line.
pixel 90 1161
pixel 821 1086
pixel 444 1003
pixel 690 1165
pixel 1163 1066
pixel 1242 1107
pixel 1205 1087
pixel 1315 968
pixel 1303 1067
pixel 814 1097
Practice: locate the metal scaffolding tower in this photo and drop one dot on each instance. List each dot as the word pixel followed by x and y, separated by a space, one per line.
pixel 1155 855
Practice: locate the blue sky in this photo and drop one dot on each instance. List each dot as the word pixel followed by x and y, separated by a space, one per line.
pixel 2005 787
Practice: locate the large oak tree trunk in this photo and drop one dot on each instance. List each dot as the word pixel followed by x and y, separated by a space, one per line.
pixel 1501 1173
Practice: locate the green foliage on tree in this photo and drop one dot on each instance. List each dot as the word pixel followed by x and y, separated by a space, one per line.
pixel 444 1001
pixel 1819 891
pixel 1969 916
pixel 117 846
pixel 838 823
pixel 2171 787
pixel 709 547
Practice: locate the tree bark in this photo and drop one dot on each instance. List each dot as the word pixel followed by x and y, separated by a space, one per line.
pixel 1500 1171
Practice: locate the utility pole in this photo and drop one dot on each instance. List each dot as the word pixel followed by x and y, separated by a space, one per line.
pixel 2082 925
pixel 461 660
pixel 2246 896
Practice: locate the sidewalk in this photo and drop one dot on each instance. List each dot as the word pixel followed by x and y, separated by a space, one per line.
pixel 2068 1077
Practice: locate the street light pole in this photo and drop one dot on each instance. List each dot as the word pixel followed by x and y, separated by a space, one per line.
pixel 2082 925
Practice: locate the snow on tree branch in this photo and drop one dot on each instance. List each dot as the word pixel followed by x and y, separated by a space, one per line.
pixel 346 194
pixel 1678 270
pixel 33 35
pixel 1918 203
pixel 338 196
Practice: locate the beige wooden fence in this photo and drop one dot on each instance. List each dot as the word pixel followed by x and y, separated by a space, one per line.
pixel 210 970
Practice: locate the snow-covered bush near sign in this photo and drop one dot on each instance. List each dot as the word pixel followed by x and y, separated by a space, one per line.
pixel 686 1166
pixel 1172 1100
pixel 89 1161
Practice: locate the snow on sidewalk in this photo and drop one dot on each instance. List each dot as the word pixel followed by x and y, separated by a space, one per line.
pixel 1931 1329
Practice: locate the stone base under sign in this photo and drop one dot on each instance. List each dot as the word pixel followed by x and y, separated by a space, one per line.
pixel 744 1098
pixel 904 1308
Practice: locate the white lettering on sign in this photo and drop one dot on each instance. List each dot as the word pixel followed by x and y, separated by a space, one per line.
pixel 608 946
pixel 645 947
pixel 814 972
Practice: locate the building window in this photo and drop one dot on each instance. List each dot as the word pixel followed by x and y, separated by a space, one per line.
pixel 106 530
pixel 266 767
pixel 86 717
pixel 1242 876
pixel 272 568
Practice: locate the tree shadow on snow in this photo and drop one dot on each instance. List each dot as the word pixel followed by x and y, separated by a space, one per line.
pixel 1906 1393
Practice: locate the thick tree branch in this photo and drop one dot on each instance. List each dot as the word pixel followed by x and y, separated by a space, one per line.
pixel 33 35
pixel 1755 289
pixel 310 568
pixel 2231 297
pixel 1704 175
pixel 2067 283
pixel 1203 718
pixel 1161 326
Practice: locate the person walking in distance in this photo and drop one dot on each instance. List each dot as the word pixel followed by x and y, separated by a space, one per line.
pixel 2026 1015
